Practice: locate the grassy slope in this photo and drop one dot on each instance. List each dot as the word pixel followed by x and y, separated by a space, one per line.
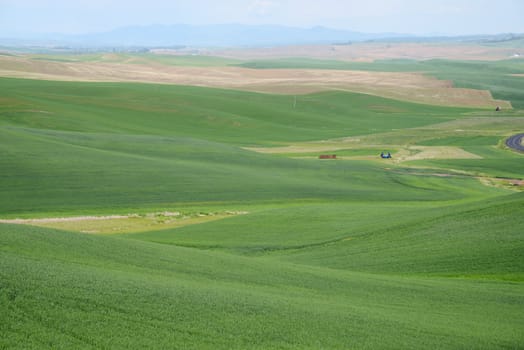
pixel 64 290
pixel 470 239
pixel 50 171
pixel 495 163
pixel 240 117
pixel 71 146
pixel 333 254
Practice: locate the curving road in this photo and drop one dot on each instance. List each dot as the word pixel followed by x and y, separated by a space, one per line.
pixel 515 142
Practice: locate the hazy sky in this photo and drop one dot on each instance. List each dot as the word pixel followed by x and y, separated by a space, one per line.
pixel 401 16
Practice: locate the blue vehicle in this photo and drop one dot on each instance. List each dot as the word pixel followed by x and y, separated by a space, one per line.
pixel 385 156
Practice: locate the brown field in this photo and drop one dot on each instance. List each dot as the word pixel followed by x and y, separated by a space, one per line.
pixel 414 87
pixel 368 52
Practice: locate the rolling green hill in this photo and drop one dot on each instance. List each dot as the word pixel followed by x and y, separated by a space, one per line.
pixel 63 290
pixel 335 254
pixel 229 116
pixel 78 146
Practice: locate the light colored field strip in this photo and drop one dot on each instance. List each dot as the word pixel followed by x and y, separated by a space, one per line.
pixel 433 152
pixel 69 219
pixel 116 224
pixel 369 52
pixel 405 153
pixel 406 86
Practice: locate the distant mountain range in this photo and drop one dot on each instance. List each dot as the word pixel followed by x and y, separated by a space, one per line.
pixel 232 35
pixel 220 35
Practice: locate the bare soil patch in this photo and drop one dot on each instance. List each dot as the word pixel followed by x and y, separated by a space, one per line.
pixel 403 86
pixel 69 219
pixel 433 152
pixel 114 224
pixel 513 184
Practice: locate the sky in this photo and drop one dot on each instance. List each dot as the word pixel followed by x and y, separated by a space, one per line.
pixel 419 17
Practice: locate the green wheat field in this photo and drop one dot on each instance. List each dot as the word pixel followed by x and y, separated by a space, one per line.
pixel 223 229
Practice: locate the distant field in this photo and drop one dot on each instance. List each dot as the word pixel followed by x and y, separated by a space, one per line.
pixel 142 215
pixel 213 72
pixel 369 52
pixel 497 77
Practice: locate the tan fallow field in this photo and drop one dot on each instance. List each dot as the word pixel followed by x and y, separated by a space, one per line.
pixel 366 52
pixel 407 86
